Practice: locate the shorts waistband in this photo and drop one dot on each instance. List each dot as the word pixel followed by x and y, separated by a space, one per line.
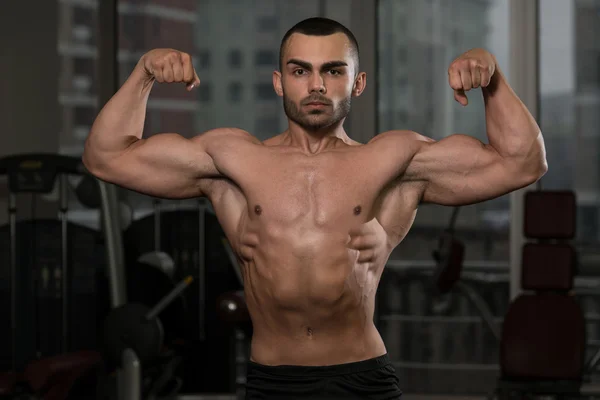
pixel 325 370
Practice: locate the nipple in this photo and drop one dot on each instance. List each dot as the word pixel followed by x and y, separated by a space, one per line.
pixel 357 210
pixel 258 210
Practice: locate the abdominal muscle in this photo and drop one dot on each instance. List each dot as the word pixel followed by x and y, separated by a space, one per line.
pixel 310 301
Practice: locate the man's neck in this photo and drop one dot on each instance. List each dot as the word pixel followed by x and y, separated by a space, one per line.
pixel 314 142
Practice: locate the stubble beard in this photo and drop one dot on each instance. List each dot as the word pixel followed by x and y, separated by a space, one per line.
pixel 317 119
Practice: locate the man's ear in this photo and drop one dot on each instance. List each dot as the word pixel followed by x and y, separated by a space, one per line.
pixel 277 83
pixel 360 83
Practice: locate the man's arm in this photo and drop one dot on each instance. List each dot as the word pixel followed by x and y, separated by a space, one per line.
pixel 460 169
pixel 165 165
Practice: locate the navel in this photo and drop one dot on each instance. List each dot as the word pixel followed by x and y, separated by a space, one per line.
pixel 309 332
pixel 257 209
pixel 357 210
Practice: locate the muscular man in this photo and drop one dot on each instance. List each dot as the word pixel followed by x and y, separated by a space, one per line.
pixel 312 214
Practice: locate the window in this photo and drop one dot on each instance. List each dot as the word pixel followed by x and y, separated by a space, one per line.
pixel 422 77
pixel 402 116
pixel 402 55
pixel 569 104
pixel 265 91
pixel 83 66
pixel 231 64
pixel 236 23
pixel 402 85
pixel 235 92
pixel 414 94
pixel 204 59
pixel 77 46
pixel 83 16
pixel 205 92
pixel 132 28
pixel 266 58
pixel 267 125
pixel 588 221
pixel 235 58
pixel 84 116
pixel 267 24
pixel 156 25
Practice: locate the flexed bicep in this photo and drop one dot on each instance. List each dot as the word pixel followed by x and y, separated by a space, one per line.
pixel 169 165
pixel 461 170
pixel 166 165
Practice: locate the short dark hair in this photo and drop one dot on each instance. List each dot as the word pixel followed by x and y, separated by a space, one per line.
pixel 318 26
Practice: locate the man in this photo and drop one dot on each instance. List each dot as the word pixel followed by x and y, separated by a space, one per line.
pixel 311 214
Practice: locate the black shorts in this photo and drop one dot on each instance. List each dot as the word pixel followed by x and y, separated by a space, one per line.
pixel 370 379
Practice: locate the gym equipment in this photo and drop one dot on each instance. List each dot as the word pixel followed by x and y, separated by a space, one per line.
pixel 449 257
pixel 134 332
pixel 147 285
pixel 444 288
pixel 136 326
pixel 156 256
pixel 232 308
pixel 190 234
pixel 542 347
pixel 50 261
pixel 141 346
pixel 49 281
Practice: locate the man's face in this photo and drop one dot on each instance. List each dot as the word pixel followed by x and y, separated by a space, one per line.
pixel 317 80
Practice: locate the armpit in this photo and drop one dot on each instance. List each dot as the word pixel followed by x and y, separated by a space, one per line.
pixel 396 150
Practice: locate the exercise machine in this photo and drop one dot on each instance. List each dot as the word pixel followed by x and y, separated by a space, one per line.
pixel 134 345
pixel 188 236
pixel 50 276
pixel 543 340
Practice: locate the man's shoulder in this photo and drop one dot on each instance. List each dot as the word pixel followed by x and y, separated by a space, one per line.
pixel 405 138
pixel 228 132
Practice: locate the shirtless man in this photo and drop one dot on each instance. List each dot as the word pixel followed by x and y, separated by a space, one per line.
pixel 312 214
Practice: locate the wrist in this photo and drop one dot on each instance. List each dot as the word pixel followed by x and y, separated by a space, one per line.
pixel 141 76
pixel 496 78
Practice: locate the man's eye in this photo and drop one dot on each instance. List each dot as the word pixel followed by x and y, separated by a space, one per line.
pixel 299 72
pixel 334 72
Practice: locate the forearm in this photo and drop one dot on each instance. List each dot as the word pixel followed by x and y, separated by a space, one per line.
pixel 120 123
pixel 511 129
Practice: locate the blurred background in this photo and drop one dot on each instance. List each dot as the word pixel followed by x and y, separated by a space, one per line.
pixel 62 58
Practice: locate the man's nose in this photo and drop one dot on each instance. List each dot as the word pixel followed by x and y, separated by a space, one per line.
pixel 317 84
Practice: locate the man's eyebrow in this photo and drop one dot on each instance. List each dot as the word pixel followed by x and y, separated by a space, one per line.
pixel 326 66
pixel 334 64
pixel 300 63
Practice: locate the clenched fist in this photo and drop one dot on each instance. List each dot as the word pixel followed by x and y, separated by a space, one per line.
pixel 169 65
pixel 471 70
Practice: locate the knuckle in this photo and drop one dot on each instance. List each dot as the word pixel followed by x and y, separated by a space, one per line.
pixel 185 57
pixel 157 61
pixel 173 55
